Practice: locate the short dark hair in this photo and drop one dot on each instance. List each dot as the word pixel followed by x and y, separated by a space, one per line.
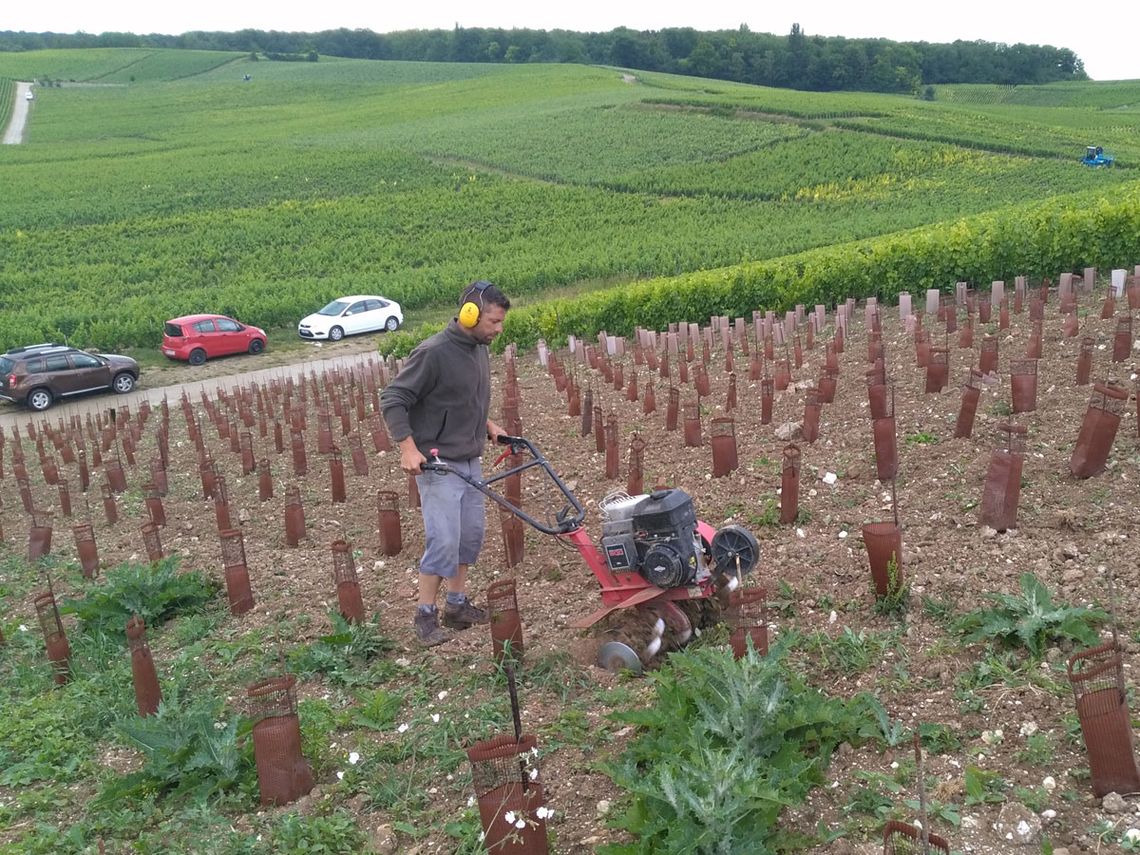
pixel 484 293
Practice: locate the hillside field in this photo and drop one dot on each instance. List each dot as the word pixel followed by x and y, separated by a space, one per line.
pixel 155 183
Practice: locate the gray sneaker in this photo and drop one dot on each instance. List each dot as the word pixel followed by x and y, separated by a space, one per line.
pixel 464 615
pixel 428 631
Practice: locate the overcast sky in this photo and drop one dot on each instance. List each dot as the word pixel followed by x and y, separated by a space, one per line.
pixel 1104 36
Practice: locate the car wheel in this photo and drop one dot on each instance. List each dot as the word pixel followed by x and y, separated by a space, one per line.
pixel 256 346
pixel 124 382
pixel 336 334
pixel 39 399
pixel 392 324
pixel 197 356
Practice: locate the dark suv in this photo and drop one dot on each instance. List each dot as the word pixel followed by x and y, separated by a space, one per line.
pixel 40 373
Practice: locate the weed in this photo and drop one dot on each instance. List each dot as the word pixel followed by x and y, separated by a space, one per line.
pixel 1031 620
pixel 377 710
pixel 894 603
pixel 155 593
pixel 1038 750
pixel 336 833
pixel 922 438
pixel 983 786
pixel 938 610
pixel 1034 798
pixel 851 652
pixel 725 745
pixel 939 738
pixel 191 751
pixel 344 655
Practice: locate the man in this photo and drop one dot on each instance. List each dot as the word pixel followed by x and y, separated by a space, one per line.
pixel 441 399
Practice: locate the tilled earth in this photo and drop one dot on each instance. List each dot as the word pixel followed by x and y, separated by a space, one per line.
pixel 1071 533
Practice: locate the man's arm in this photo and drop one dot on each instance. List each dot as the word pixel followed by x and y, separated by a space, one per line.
pixel 406 390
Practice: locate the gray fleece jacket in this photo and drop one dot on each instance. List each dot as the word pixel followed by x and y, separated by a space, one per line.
pixel 442 396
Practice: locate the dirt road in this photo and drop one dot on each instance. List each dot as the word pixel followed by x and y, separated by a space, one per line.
pixel 14 134
pixel 170 381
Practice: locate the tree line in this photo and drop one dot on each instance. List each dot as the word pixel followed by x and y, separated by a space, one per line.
pixel 796 61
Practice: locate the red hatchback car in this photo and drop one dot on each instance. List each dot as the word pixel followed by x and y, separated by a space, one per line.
pixel 196 338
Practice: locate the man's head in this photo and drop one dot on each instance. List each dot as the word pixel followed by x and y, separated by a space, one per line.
pixel 482 308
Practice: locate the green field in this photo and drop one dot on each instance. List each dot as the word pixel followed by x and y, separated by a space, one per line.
pixel 154 183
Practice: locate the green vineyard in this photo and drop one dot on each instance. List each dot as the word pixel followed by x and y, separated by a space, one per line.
pixel 155 183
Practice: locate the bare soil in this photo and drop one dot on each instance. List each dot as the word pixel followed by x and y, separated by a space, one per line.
pixel 1070 533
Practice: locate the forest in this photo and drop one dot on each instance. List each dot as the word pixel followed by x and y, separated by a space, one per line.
pixel 795 61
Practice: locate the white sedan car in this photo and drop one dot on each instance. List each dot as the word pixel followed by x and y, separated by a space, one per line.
pixel 349 315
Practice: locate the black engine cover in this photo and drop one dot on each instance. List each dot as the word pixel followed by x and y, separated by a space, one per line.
pixel 665 567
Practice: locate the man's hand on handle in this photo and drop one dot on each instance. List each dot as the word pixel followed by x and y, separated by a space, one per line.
pixel 411 459
pixel 494 431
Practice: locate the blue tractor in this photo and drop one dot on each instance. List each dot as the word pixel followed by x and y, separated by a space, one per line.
pixel 1095 156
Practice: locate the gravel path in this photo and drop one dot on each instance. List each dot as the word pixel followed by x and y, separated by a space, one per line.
pixel 14 134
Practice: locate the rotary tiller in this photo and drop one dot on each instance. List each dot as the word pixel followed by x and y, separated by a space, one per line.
pixel 659 567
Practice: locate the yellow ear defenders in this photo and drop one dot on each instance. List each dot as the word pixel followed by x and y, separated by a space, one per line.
pixel 470 310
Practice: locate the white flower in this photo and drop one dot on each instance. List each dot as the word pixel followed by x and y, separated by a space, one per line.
pixel 470 801
pixel 520 823
pixel 435 717
pixel 1131 835
pixel 544 812
pixel 402 728
pixel 534 774
pixel 442 695
pixel 354 758
pixel 23 628
pixel 509 816
pixel 340 776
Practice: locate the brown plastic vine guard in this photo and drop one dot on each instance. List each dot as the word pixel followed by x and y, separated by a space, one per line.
pixel 148 694
pixel 988 357
pixel 1023 385
pixel 1122 341
pixel 692 423
pixel 336 477
pixel 937 370
pixel 1097 678
pixel 790 485
pixel 767 390
pixel 886 445
pixel 611 447
pixel 39 535
pixel 900 838
pixel 294 516
pixel 635 479
pixel 722 438
pixel 283 774
pixel 599 430
pixel 971 391
pixel 747 615
pixel 264 480
pixel 236 572
pixel 152 542
pixel 1085 359
pixel 1098 429
pixel 509 794
pixel 1002 490
pixel 85 547
pixel 388 510
pixel 810 425
pixel 55 639
pixel 884 547
pixel 347 583
pixel 506 625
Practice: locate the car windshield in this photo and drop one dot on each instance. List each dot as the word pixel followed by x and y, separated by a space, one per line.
pixel 333 308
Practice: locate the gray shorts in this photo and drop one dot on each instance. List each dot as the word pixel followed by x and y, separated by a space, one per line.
pixel 454 518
